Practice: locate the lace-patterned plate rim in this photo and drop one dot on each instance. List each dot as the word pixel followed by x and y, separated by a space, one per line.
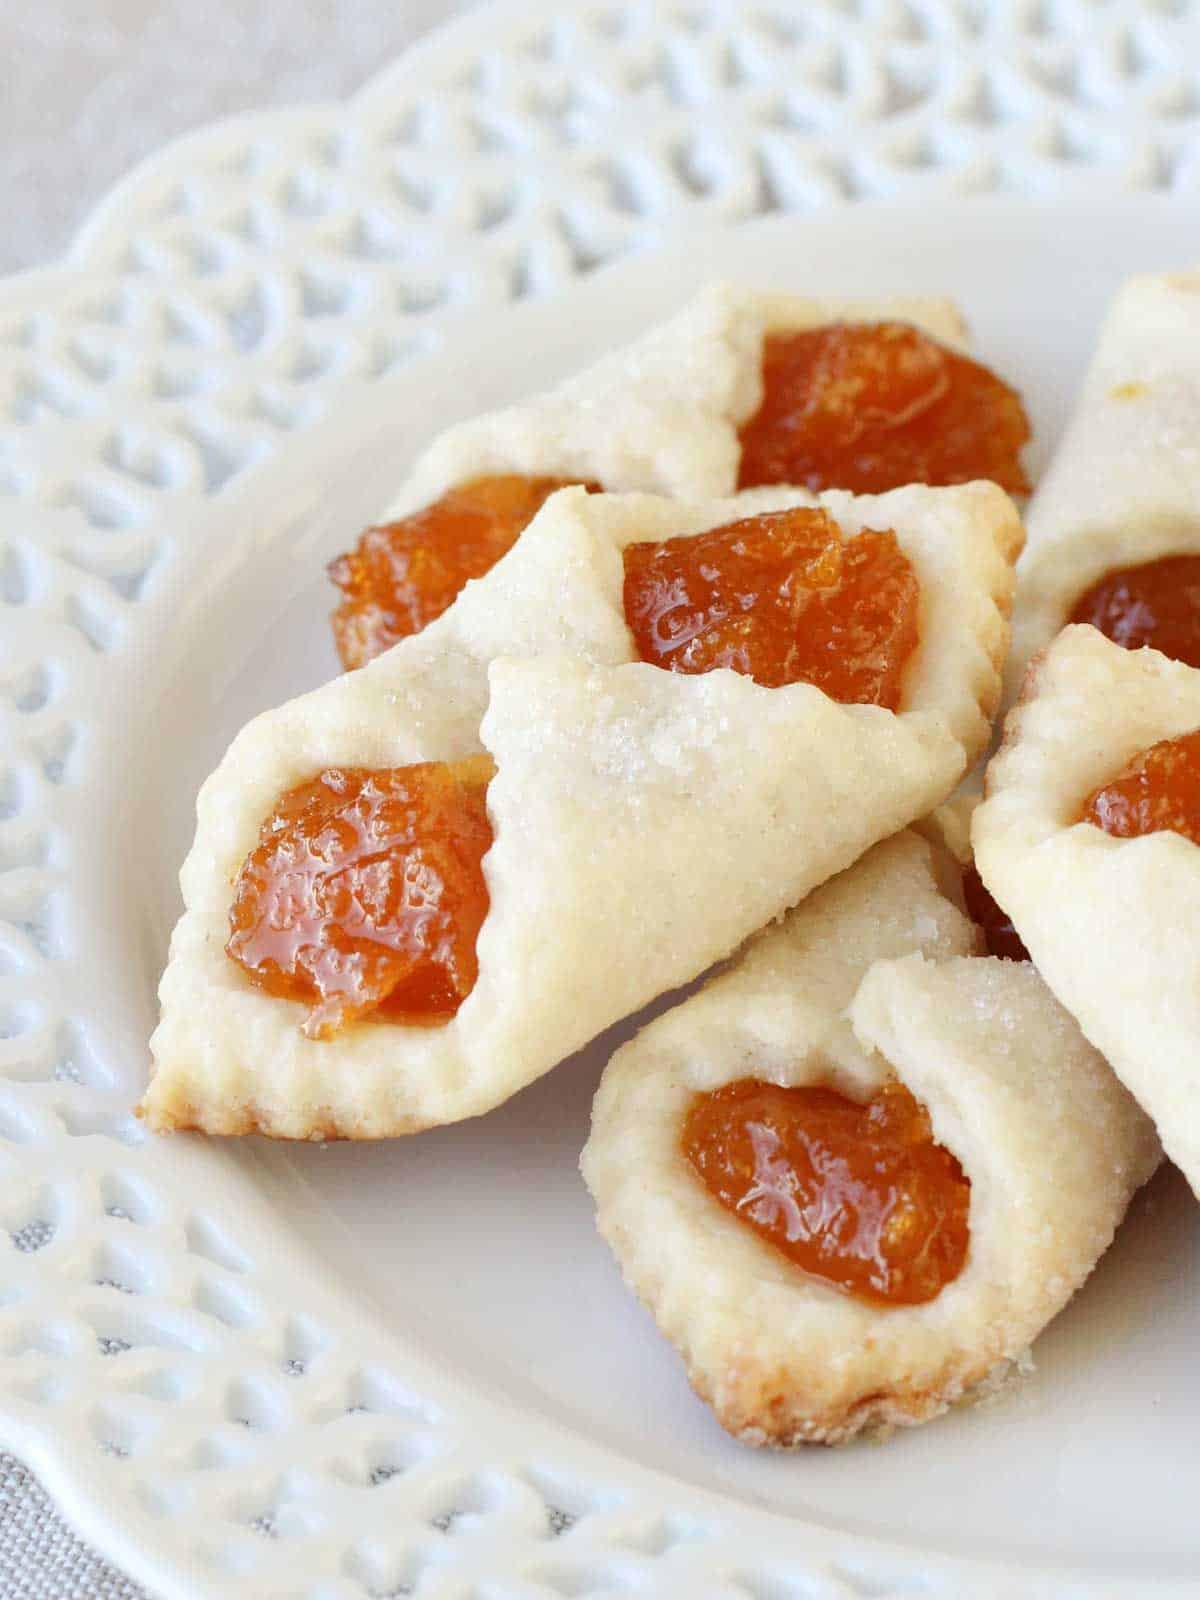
pixel 1014 96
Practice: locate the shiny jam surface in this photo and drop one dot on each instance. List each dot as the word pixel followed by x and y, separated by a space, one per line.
pixel 871 406
pixel 1158 791
pixel 365 893
pixel 1001 938
pixel 859 1195
pixel 1155 604
pixel 401 575
pixel 782 598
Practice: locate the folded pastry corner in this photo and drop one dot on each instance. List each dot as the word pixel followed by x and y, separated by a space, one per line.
pixel 663 414
pixel 1088 838
pixel 855 1176
pixel 1114 527
pixel 659 816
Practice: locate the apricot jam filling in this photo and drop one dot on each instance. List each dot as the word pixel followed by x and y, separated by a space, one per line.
pixel 999 935
pixel 782 598
pixel 857 1195
pixel 401 575
pixel 1156 603
pixel 1158 791
pixel 873 405
pixel 365 893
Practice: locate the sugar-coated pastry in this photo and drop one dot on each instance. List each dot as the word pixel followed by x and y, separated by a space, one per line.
pixel 662 414
pixel 949 825
pixel 1123 489
pixel 1088 842
pixel 739 389
pixel 865 1015
pixel 655 816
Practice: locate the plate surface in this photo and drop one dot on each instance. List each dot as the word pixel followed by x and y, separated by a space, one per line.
pixel 474 1245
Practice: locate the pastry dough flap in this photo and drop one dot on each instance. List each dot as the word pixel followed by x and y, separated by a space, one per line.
pixel 1053 1146
pixel 1124 485
pixel 1108 921
pixel 645 822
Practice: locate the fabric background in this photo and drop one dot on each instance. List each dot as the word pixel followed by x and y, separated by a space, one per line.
pixel 89 87
pixel 40 1558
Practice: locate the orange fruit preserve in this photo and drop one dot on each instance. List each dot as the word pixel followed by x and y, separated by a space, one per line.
pixel 402 575
pixel 859 1195
pixel 1156 604
pixel 873 405
pixel 365 893
pixel 782 598
pixel 1158 791
pixel 1001 938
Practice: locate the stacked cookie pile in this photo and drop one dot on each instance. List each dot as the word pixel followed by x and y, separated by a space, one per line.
pixel 697 660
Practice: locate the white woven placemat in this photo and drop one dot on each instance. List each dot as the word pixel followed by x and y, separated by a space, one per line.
pixel 40 1558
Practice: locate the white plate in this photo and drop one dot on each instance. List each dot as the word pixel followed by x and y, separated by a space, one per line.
pixel 438 1313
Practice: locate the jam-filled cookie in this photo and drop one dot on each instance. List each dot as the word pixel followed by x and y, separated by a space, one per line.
pixel 1114 528
pixel 855 1175
pixel 650 729
pixel 948 828
pixel 740 389
pixel 1090 839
